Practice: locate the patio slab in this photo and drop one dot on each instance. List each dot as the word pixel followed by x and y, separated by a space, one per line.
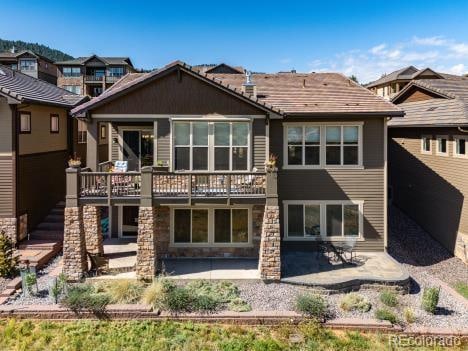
pixel 308 268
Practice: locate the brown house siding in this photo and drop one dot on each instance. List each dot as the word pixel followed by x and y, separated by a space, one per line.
pixel 416 94
pixel 431 189
pixel 339 184
pixel 41 180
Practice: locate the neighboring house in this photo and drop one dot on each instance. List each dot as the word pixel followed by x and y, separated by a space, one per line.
pixel 34 149
pixel 92 75
pixel 428 158
pixel 30 63
pixel 218 68
pixel 195 148
pixel 391 84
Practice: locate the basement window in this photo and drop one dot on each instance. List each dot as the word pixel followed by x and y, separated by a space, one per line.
pixel 442 145
pixel 459 146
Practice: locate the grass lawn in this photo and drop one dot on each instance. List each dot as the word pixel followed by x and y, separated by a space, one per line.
pixel 462 289
pixel 146 335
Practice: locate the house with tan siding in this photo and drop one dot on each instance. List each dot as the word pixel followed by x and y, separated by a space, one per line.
pixel 229 164
pixel 428 159
pixel 35 146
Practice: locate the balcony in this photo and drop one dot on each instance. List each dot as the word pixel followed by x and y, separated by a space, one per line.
pixel 154 187
pixel 101 78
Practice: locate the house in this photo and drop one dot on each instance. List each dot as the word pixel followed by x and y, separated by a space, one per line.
pixel 391 84
pixel 429 161
pixel 30 63
pixel 230 165
pixel 92 75
pixel 34 149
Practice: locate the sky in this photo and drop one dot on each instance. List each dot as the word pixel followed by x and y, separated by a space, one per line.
pixel 361 38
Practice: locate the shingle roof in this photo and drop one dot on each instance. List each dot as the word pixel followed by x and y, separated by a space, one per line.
pixel 450 109
pixel 16 54
pixel 24 88
pixel 106 60
pixel 316 93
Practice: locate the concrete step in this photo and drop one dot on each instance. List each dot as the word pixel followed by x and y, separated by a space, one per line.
pixel 50 226
pixel 46 235
pixel 60 204
pixel 54 218
pixel 37 244
pixel 57 211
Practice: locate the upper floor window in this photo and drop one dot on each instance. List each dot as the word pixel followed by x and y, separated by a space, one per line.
pixel 314 146
pixel 115 71
pixel 71 71
pixel 54 123
pixel 459 146
pixel 76 89
pixel 218 146
pixel 28 65
pixel 82 132
pixel 442 147
pixel 25 122
pixel 426 144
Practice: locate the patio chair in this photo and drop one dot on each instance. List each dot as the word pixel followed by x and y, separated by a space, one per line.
pixel 99 264
pixel 348 248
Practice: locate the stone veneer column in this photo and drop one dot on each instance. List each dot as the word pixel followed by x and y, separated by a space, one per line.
pixel 8 226
pixel 270 245
pixel 146 243
pixel 74 247
pixel 93 229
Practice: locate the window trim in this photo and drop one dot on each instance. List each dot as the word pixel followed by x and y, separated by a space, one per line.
pixel 438 138
pixel 55 115
pixel 211 223
pixel 323 125
pixel 456 138
pixel 323 220
pixel 211 145
pixel 27 113
pixel 424 136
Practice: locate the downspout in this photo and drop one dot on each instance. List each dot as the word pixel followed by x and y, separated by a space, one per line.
pixel 14 171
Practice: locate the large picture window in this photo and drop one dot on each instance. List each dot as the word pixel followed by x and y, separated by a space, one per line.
pixel 214 226
pixel 318 146
pixel 325 220
pixel 211 146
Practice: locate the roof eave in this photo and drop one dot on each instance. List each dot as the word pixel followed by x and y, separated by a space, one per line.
pixel 349 114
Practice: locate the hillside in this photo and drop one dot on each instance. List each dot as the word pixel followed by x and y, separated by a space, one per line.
pixel 53 54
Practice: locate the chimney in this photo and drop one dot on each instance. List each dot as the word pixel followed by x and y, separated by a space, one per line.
pixel 13 49
pixel 249 87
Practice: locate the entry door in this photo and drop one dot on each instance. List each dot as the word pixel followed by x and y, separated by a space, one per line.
pixel 131 149
pixel 129 221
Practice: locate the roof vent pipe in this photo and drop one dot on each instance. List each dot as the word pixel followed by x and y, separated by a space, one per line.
pixel 249 87
pixel 13 49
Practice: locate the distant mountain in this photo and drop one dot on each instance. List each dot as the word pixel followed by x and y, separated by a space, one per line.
pixel 53 54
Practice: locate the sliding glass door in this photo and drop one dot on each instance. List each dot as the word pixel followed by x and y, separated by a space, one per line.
pixel 137 148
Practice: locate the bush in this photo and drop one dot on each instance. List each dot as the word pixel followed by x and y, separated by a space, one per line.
pixel 384 314
pixel 430 299
pixel 178 299
pixel 313 306
pixel 124 291
pixel 462 289
pixel 58 287
pixel 30 281
pixel 155 294
pixel 409 315
pixel 8 259
pixel 85 298
pixel 389 298
pixel 239 305
pixel 206 303
pixel 353 301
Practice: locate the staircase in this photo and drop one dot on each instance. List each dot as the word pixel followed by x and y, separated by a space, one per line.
pixel 46 240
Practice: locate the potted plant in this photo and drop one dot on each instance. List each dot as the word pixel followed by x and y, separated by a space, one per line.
pixel 270 165
pixel 161 166
pixel 74 161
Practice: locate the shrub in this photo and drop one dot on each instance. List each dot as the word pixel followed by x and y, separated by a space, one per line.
pixel 389 298
pixel 353 301
pixel 239 305
pixel 206 303
pixel 124 291
pixel 85 298
pixel 384 314
pixel 155 294
pixel 409 315
pixel 58 287
pixel 30 281
pixel 8 259
pixel 312 305
pixel 178 299
pixel 430 299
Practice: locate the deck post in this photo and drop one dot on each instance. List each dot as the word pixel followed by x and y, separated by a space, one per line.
pixel 75 263
pixel 269 263
pixel 92 145
pixel 93 229
pixel 146 190
pixel 72 187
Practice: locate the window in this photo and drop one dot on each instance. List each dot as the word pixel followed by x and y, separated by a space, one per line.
pixel 115 71
pixel 54 123
pixel 71 71
pixel 442 147
pixel 459 146
pixel 426 144
pixel 214 226
pixel 103 131
pixel 190 226
pixel 96 91
pixel 28 65
pixel 316 146
pixel 76 89
pixel 25 122
pixel 14 66
pixel 82 132
pixel 328 220
pixel 218 146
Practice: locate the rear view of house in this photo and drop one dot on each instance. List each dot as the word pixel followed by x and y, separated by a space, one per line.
pixel 34 149
pixel 224 164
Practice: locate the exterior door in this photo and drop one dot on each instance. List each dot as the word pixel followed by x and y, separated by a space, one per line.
pixel 129 221
pixel 131 149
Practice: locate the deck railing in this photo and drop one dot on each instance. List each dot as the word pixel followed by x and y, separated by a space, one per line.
pixel 102 184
